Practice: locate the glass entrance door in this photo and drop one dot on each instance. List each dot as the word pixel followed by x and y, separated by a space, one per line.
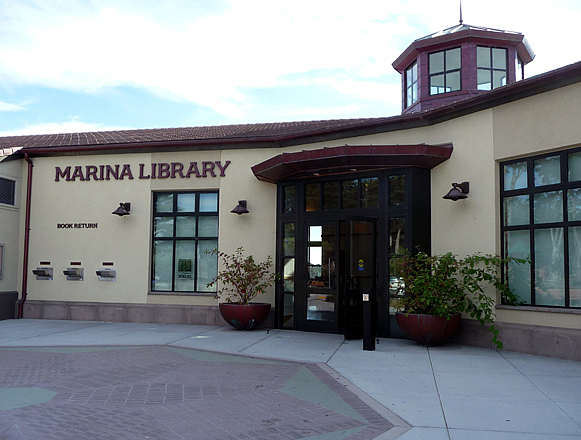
pixel 340 275
pixel 360 286
pixel 322 274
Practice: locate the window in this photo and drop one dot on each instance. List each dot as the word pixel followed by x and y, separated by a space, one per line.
pixel 519 69
pixel 445 71
pixel 7 191
pixel 343 194
pixel 185 226
pixel 541 219
pixel 411 84
pixel 1 260
pixel 491 63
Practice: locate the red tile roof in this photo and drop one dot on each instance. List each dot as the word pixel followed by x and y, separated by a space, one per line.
pixel 224 133
pixel 278 134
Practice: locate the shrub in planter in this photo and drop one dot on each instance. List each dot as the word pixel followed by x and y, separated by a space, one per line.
pixel 241 280
pixel 445 286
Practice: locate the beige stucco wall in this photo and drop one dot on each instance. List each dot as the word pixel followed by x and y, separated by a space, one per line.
pixel 539 124
pixel 465 226
pixel 481 140
pixel 10 226
pixel 545 122
pixel 125 241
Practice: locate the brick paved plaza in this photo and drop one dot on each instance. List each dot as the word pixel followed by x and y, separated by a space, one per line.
pixel 161 392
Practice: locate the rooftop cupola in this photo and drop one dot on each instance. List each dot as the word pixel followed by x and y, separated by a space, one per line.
pixel 459 62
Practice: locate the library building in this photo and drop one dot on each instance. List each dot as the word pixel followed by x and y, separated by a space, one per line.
pixel 117 226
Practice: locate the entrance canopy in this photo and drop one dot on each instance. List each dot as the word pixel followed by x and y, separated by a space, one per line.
pixel 349 158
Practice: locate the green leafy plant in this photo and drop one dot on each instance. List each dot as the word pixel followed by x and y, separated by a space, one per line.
pixel 444 285
pixel 242 278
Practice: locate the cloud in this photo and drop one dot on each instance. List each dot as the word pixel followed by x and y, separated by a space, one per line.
pixel 212 53
pixel 6 107
pixel 207 57
pixel 72 126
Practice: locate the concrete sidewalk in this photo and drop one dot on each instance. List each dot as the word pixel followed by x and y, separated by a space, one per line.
pixel 144 372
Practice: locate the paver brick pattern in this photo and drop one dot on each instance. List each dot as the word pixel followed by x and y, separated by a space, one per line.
pixel 172 393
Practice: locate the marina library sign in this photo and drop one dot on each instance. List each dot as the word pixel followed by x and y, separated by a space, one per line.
pixel 156 170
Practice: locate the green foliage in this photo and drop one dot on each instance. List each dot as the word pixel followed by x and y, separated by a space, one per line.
pixel 444 285
pixel 242 278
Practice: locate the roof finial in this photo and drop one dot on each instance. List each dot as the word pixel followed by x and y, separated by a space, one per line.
pixel 461 21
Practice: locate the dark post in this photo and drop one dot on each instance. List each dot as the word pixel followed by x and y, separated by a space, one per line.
pixel 369 314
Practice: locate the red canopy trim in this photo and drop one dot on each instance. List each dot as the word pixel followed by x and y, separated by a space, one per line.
pixel 349 158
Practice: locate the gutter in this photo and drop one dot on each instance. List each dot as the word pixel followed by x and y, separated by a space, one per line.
pixel 26 238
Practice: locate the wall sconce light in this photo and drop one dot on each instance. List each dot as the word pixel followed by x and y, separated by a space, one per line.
pixel 458 191
pixel 123 209
pixel 240 208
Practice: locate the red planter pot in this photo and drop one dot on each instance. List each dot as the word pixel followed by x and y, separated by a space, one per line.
pixel 244 316
pixel 427 329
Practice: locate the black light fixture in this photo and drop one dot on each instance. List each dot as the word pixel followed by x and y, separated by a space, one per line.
pixel 123 209
pixel 240 208
pixel 458 191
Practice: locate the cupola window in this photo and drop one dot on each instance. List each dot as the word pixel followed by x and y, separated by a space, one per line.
pixel 492 71
pixel 444 71
pixel 411 84
pixel 519 69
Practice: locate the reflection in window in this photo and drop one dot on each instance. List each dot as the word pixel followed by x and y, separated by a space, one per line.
pixel 516 210
pixel 550 236
pixel 288 273
pixel 574 167
pixel 208 202
pixel 492 71
pixel 321 271
pixel 321 256
pixel 444 71
pixel 288 311
pixel 396 236
pixel 548 207
pixel 549 267
pixel 163 227
pixel 186 202
pixel 397 190
pixel 575 266
pixel 515 176
pixel 288 250
pixel 369 192
pixel 517 245
pixel 519 69
pixel 547 171
pixel 574 205
pixel 289 203
pixel 208 226
pixel 164 202
pixel 312 196
pixel 185 225
pixel 345 194
pixel 411 84
pixel 330 195
pixel 350 188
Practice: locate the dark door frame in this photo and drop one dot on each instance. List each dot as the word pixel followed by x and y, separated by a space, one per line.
pixel 413 209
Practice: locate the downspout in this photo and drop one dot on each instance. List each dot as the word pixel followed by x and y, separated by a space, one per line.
pixel 26 238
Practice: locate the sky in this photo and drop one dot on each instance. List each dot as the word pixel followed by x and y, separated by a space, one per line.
pixel 95 65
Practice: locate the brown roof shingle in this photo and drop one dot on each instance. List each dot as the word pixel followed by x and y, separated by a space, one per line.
pixel 281 133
